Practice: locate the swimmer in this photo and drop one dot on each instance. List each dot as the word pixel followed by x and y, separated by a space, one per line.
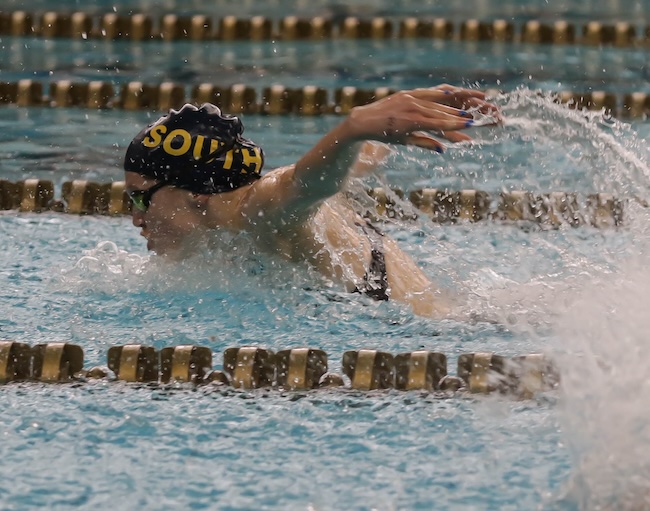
pixel 192 172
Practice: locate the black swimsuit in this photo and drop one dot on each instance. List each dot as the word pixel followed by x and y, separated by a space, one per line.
pixel 375 281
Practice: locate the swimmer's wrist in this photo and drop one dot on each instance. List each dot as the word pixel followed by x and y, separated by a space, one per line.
pixel 354 127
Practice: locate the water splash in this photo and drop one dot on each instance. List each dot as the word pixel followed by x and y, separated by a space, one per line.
pixel 541 146
pixel 105 267
pixel 228 264
pixel 605 152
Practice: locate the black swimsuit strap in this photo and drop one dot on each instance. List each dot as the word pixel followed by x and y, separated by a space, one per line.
pixel 375 281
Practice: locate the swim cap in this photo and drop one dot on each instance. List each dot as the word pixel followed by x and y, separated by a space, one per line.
pixel 197 149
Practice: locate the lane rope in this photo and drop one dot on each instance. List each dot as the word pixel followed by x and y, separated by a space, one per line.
pixel 554 209
pixel 252 367
pixel 200 27
pixel 309 100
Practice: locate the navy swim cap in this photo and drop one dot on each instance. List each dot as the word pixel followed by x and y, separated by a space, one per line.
pixel 197 149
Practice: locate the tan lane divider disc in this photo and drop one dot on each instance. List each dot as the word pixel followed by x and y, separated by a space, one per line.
pixel 596 100
pixel 420 370
pixel 15 361
pixel 522 376
pixel 369 369
pixel 185 364
pixel 100 94
pixel 80 196
pixel 256 28
pixel 280 100
pixel 136 27
pixel 56 361
pixel 118 200
pixel 134 363
pixel 17 23
pixel 86 197
pixel 35 195
pixel 137 95
pixel 300 368
pixel 437 28
pixel 636 105
pixel 196 28
pixel 78 25
pixel 536 32
pixel 476 30
pixel 373 28
pixel 54 24
pixel 346 98
pixel 242 99
pixel 249 367
pixel 235 99
pixel 170 95
pixel 444 205
pixel 29 93
pixel 292 27
pixel 482 372
pixel 277 100
pixel 619 34
pixel 95 94
pixel 531 374
pixel 311 100
pixel 604 210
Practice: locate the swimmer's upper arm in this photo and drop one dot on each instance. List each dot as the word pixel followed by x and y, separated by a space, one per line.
pixel 288 196
pixel 272 199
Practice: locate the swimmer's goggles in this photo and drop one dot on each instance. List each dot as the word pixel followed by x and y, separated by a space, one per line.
pixel 141 199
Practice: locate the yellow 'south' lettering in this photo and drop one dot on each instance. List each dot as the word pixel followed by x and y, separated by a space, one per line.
pixel 170 144
pixel 252 157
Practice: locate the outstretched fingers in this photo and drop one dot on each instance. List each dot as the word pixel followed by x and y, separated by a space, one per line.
pixel 427 141
pixel 463 99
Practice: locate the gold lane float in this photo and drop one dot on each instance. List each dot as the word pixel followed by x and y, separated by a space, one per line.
pixel 309 100
pixel 200 27
pixel 251 367
pixel 554 209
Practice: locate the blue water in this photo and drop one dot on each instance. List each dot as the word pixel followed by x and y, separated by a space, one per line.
pixel 335 63
pixel 567 292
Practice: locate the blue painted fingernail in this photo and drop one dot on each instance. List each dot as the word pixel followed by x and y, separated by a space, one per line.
pixel 439 149
pixel 463 113
pixel 469 123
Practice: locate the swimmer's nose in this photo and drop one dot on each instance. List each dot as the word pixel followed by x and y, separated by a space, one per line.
pixel 138 217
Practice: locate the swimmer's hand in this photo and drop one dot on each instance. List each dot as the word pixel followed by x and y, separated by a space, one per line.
pixel 407 117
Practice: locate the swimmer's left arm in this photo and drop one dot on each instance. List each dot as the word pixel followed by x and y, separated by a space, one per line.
pixel 405 118
pixel 291 194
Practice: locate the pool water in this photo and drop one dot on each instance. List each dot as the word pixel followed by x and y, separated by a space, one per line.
pixel 576 294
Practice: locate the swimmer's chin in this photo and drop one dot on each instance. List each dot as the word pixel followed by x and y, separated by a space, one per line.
pixel 175 252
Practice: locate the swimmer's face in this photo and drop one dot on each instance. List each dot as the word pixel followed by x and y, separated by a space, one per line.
pixel 169 220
